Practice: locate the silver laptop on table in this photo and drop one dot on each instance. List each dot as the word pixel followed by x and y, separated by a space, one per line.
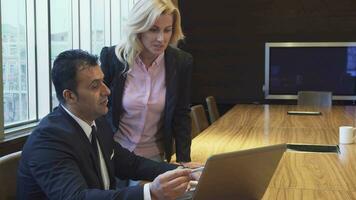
pixel 237 175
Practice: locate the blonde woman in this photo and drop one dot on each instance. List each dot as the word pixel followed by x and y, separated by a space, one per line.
pixel 150 84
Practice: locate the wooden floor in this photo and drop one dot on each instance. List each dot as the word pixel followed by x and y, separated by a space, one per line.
pixel 299 175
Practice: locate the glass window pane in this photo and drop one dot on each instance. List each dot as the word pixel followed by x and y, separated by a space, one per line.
pixel 15 73
pixel 98 26
pixel 11 108
pixel 61 31
pixel 125 8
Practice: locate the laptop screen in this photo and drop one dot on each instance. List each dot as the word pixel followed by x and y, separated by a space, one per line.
pixel 239 175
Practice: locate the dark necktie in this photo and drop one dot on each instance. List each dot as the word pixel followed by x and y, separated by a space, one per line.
pixel 94 145
pixel 94 141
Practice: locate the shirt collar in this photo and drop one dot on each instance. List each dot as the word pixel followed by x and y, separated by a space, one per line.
pixel 155 63
pixel 86 127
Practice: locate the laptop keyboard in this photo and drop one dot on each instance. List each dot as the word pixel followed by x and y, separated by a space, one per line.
pixel 188 195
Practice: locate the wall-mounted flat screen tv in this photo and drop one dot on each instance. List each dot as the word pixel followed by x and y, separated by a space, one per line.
pixel 312 66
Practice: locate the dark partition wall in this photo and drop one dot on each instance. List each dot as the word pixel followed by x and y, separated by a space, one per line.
pixel 227 39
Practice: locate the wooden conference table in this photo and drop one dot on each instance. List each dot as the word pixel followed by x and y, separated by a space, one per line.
pixel 299 175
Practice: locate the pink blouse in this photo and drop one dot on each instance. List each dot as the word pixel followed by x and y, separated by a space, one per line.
pixel 140 127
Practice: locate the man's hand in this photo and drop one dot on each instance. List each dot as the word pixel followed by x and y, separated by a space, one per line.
pixel 170 185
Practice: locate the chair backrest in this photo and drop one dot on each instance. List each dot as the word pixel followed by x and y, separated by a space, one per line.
pixel 199 118
pixel 194 131
pixel 212 108
pixel 315 98
pixel 8 174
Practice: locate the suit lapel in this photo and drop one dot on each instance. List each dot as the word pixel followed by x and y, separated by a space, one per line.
pixel 171 71
pixel 171 84
pixel 84 140
pixel 117 90
pixel 107 151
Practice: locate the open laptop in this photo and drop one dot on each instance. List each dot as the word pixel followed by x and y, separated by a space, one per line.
pixel 237 175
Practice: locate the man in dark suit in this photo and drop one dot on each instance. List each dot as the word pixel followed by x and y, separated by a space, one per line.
pixel 71 153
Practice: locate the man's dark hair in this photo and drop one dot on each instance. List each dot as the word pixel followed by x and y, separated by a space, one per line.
pixel 65 68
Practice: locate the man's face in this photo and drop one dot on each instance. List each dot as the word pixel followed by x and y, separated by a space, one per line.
pixel 91 98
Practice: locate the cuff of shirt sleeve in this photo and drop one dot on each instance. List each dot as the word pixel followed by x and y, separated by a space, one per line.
pixel 146 192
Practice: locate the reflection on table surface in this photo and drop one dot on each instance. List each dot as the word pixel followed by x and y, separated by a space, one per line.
pixel 299 175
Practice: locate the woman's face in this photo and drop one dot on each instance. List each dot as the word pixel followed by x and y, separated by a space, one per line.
pixel 157 38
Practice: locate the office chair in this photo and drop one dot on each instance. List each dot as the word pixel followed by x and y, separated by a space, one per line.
pixel 194 131
pixel 315 98
pixel 199 118
pixel 8 173
pixel 212 109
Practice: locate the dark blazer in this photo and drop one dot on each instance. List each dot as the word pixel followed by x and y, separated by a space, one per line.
pixel 177 122
pixel 58 163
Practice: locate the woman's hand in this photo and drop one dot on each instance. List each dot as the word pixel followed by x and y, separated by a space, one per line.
pixel 191 165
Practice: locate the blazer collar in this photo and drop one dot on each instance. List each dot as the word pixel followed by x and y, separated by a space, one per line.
pixel 170 65
pixel 86 127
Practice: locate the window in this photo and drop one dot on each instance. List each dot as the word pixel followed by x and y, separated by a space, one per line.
pixel 119 19
pixel 98 26
pixel 33 33
pixel 61 32
pixel 14 60
pixel 126 6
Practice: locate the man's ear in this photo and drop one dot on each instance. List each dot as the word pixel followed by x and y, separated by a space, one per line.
pixel 69 96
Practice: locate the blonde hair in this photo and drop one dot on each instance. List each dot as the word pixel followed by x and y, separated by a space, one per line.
pixel 141 18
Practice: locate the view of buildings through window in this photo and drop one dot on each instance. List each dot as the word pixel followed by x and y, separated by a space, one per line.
pixel 14 55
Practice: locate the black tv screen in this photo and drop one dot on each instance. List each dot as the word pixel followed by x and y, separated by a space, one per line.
pixel 293 67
